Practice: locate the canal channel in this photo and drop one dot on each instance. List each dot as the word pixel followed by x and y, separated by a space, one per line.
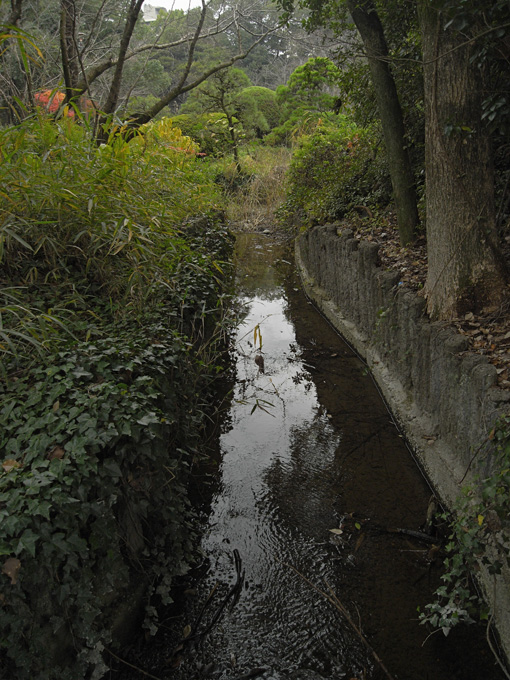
pixel 315 565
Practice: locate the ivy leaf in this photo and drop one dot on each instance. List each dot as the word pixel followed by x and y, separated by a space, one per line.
pixel 27 542
pixel 148 419
pixel 112 468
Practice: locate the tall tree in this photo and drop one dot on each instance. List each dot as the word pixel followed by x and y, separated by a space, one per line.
pixel 369 25
pixel 370 29
pixel 464 268
pixel 68 46
pixel 133 12
pixel 221 93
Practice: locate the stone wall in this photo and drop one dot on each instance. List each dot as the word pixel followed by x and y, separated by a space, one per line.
pixel 444 398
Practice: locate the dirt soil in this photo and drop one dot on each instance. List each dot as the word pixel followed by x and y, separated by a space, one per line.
pixel 488 335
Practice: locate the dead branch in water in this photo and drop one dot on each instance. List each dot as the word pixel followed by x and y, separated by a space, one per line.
pixel 333 599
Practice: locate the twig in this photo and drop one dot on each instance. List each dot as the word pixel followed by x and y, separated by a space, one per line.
pixel 136 668
pixel 333 599
pixel 489 641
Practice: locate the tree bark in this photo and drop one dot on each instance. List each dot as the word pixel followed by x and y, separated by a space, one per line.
pixel 113 95
pixel 70 63
pixel 15 13
pixel 371 31
pixel 465 272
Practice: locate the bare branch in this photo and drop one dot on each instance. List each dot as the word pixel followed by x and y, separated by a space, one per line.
pixel 181 88
pixel 96 71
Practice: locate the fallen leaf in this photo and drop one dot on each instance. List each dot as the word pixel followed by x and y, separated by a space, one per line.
pixel 336 531
pixel 11 568
pixel 10 464
pixel 56 452
pixel 56 406
pixel 187 631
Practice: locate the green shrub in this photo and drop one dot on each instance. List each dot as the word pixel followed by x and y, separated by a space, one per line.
pixel 209 130
pixel 258 110
pixel 335 168
pixel 83 227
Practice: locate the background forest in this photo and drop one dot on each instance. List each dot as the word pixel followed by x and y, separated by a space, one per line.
pixel 124 142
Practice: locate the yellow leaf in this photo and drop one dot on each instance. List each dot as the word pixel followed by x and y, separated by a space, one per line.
pixel 480 519
pixel 187 631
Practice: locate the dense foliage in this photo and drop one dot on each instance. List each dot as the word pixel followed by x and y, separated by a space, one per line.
pixel 208 130
pixel 112 286
pixel 345 161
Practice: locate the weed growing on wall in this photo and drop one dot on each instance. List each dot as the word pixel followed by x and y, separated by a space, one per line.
pixel 479 538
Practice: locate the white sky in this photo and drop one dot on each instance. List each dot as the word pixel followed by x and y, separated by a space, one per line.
pixel 175 4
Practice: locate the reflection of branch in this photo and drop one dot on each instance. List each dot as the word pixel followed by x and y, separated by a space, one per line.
pixel 362 443
pixel 333 599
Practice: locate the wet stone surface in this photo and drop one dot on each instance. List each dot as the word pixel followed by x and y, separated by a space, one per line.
pixel 313 483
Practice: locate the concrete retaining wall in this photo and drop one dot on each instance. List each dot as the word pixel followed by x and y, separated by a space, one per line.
pixel 445 400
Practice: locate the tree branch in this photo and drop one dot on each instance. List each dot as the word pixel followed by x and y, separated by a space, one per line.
pixel 94 72
pixel 134 10
pixel 181 88
pixel 15 13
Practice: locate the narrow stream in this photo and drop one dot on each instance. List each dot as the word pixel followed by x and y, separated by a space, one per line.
pixel 309 447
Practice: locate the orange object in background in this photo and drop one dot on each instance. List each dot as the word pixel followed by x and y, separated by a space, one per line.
pixel 52 100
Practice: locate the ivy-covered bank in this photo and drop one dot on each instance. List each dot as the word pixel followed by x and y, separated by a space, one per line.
pixel 111 337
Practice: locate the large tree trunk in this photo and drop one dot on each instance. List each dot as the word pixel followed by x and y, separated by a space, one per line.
pixel 464 270
pixel 371 31
pixel 15 13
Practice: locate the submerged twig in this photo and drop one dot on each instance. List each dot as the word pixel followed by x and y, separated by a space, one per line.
pixel 333 599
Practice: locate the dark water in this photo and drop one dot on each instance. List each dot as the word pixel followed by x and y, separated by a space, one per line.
pixel 309 447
